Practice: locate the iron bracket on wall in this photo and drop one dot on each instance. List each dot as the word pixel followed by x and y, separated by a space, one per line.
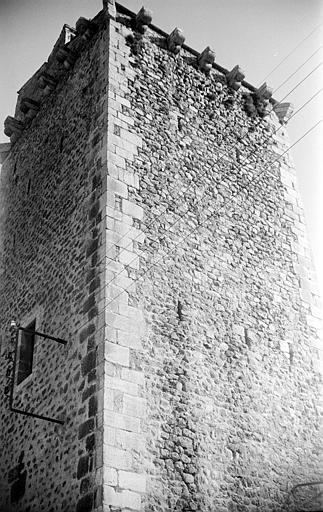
pixel 14 329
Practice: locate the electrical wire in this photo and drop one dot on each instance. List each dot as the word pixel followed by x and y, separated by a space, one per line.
pixel 201 176
pixel 225 203
pixel 259 175
pixel 302 81
pixel 217 162
pixel 296 70
pixel 135 258
pixel 292 51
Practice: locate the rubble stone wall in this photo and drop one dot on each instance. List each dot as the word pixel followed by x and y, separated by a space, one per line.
pixel 226 286
pixel 150 216
pixel 52 269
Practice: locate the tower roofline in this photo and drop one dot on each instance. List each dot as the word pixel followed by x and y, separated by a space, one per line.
pixel 71 42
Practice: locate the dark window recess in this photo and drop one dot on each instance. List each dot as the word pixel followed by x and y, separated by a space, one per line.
pixel 28 187
pixel 26 353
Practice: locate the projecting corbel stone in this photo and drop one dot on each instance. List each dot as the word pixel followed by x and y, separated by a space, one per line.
pixel 13 128
pixel 85 28
pixel 66 57
pixel 47 82
pixel 261 100
pixel 175 40
pixel 235 77
pixel 284 112
pixel 264 92
pixel 29 107
pixel 143 19
pixel 109 8
pixel 206 59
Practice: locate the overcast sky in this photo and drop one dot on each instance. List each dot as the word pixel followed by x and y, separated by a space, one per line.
pixel 256 34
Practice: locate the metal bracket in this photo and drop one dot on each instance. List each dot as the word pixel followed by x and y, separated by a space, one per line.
pixel 14 337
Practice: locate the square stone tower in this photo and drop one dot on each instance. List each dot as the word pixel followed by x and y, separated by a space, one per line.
pixel 159 313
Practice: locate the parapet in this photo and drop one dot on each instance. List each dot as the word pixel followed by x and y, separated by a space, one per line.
pixel 71 41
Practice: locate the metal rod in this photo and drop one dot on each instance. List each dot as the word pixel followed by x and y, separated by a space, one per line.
pixel 59 340
pixel 39 416
pixel 14 332
pixel 14 409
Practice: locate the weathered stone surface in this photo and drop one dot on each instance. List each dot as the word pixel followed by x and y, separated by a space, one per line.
pixel 175 40
pixel 161 242
pixel 206 59
pixel 235 77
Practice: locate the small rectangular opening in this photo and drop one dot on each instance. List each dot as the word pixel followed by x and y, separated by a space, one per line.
pixel 26 352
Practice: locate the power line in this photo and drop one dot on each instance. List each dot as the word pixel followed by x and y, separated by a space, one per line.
pixel 218 161
pixel 253 180
pixel 179 218
pixel 292 51
pixel 204 194
pixel 302 81
pixel 307 102
pixel 225 203
pixel 200 176
pixel 299 67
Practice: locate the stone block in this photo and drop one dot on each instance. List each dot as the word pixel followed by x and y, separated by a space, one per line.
pixel 117 187
pixel 121 385
pixel 116 458
pixel 123 323
pixel 132 481
pixel 133 209
pixel 129 340
pixel 134 376
pixel 117 354
pixel 129 259
pixel 134 406
pixel 121 421
pixel 132 138
pixel 82 467
pixel 86 428
pixel 129 441
pixel 124 499
pixel 110 476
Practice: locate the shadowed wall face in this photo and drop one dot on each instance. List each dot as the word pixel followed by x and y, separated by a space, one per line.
pixel 50 269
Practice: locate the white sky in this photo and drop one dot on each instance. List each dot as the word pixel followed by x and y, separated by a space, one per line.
pixel 256 34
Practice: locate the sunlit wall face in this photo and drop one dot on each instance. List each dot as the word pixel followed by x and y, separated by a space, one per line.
pixel 258 35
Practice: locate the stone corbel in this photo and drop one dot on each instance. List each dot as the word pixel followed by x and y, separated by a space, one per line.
pixel 261 100
pixel 206 59
pixel 85 28
pixel 175 40
pixel 29 107
pixel 264 92
pixel 235 77
pixel 66 57
pixel 143 19
pixel 284 112
pixel 13 128
pixel 47 82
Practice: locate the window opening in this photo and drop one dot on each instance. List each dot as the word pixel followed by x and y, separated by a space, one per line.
pixel 26 353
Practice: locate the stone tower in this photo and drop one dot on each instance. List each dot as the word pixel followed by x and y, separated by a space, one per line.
pixel 151 229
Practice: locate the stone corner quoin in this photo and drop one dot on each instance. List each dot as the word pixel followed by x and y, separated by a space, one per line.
pixel 150 217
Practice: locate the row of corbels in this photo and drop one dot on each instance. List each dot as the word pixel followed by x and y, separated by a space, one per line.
pixel 66 56
pixel 256 103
